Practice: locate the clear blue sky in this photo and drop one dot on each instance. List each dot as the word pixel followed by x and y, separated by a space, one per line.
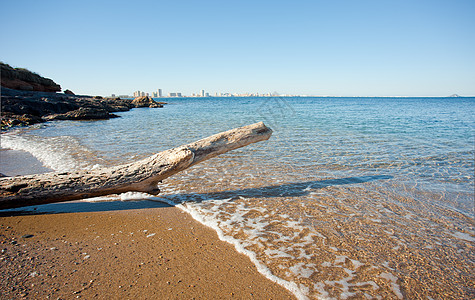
pixel 347 48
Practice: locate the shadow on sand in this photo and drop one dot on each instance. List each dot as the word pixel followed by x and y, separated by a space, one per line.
pixel 74 207
pixel 298 189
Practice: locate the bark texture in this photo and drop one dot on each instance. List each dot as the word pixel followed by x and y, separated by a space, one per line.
pixel 140 176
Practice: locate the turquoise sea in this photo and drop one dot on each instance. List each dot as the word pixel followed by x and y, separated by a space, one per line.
pixel 350 198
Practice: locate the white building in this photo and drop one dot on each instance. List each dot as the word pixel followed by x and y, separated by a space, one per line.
pixel 174 94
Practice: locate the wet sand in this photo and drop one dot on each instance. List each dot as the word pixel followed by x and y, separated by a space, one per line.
pixel 150 253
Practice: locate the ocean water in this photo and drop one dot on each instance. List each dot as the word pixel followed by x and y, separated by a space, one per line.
pixel 351 198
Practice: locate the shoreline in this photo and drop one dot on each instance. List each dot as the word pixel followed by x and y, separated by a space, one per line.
pixel 25 108
pixel 44 250
pixel 148 253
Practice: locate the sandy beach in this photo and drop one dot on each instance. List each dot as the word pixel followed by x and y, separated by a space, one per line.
pixel 117 250
pixel 150 253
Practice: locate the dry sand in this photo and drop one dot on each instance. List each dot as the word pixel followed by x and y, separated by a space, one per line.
pixel 151 253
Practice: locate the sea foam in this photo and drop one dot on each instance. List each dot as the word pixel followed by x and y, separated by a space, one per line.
pixel 60 153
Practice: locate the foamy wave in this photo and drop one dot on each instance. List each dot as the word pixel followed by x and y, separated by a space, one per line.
pixel 61 153
pixel 238 244
pixel 130 196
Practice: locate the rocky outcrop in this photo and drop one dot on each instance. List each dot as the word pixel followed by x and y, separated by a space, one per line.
pixel 145 101
pixel 21 108
pixel 12 120
pixel 25 80
pixel 83 113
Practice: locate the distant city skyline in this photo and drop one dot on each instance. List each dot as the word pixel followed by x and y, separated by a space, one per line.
pixel 327 48
pixel 203 93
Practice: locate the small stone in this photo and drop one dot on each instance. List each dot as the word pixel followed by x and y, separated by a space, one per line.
pixel 27 236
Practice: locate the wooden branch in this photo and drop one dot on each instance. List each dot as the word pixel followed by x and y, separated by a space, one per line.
pixel 140 176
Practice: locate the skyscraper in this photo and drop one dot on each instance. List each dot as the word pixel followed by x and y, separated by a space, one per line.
pixel 202 93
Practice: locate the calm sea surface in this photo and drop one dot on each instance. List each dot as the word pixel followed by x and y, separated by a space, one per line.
pixel 351 197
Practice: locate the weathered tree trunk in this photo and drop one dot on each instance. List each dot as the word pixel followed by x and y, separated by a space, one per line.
pixel 140 176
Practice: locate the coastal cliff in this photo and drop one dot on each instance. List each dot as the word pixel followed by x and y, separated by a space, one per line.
pixel 25 80
pixel 27 98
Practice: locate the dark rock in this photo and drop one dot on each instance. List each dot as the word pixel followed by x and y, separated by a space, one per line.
pixel 118 108
pixel 11 120
pixel 83 113
pixel 22 108
pixel 68 92
pixel 25 87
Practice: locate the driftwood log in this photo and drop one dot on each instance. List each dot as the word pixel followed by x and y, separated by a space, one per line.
pixel 140 176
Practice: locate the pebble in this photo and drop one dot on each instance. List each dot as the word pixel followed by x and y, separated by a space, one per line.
pixel 27 236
